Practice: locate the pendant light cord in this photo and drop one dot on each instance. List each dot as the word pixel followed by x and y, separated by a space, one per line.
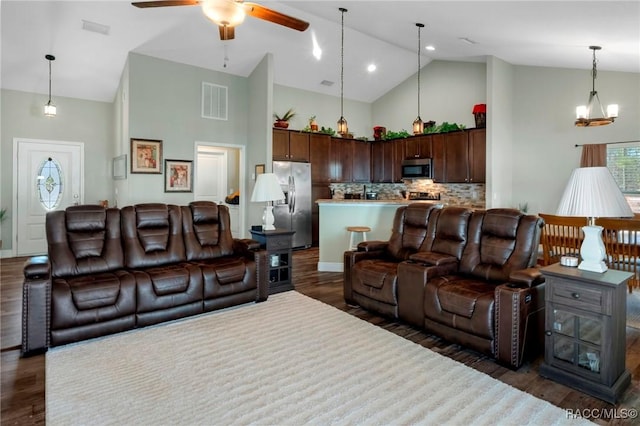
pixel 343 10
pixel 419 44
pixel 49 81
pixel 594 72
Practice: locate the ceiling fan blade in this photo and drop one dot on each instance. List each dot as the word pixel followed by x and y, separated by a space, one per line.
pixel 165 3
pixel 261 12
pixel 226 32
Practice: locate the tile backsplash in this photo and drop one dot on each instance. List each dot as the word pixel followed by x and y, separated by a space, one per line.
pixel 466 194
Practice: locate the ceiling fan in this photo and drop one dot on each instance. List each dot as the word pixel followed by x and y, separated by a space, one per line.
pixel 227 14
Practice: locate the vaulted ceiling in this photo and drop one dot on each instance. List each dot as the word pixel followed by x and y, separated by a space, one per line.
pixel 89 65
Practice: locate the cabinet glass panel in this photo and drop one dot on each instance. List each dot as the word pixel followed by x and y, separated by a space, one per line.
pixel 274 260
pixel 590 330
pixel 589 358
pixel 563 349
pixel 284 274
pixel 564 322
pixel 273 276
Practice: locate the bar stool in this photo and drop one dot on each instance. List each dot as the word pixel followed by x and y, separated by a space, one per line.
pixel 357 229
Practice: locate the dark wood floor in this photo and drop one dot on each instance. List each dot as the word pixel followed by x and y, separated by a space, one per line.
pixel 23 378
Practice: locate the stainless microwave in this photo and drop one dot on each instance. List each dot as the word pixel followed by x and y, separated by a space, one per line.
pixel 417 168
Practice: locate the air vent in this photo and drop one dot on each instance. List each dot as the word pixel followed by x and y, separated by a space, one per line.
pixel 214 101
pixel 94 27
pixel 326 83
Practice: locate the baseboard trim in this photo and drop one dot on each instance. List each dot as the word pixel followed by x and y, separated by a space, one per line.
pixel 330 267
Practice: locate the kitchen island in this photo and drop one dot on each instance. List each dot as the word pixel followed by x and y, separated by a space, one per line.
pixel 336 215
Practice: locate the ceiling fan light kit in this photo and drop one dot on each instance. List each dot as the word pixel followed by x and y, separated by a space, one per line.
pixel 224 12
pixel 593 113
pixel 229 13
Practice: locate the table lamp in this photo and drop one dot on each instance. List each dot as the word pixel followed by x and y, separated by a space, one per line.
pixel 267 189
pixel 592 192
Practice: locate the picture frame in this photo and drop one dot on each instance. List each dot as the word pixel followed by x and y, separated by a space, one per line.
pixel 146 156
pixel 119 167
pixel 178 176
pixel 259 170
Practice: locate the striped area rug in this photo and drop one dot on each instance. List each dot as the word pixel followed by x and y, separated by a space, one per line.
pixel 291 360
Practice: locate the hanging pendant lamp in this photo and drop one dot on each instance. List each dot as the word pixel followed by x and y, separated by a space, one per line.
pixel 49 108
pixel 418 125
pixel 342 122
pixel 593 114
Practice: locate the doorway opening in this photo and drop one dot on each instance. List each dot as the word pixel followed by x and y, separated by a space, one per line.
pixel 219 177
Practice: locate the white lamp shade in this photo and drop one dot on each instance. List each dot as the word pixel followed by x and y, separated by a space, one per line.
pixel 592 192
pixel 612 111
pixel 267 188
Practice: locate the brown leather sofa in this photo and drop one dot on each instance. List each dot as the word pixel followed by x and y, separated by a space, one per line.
pixel 467 276
pixel 111 270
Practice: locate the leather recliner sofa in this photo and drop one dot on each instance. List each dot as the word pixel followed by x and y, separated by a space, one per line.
pixel 467 276
pixel 111 270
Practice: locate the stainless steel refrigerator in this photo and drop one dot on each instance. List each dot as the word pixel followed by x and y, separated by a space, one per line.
pixel 294 213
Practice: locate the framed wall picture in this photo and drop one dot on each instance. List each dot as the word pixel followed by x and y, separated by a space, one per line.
pixel 146 156
pixel 120 167
pixel 178 176
pixel 259 170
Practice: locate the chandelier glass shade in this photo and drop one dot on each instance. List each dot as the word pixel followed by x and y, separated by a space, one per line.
pixel 50 108
pixel 593 114
pixel 224 12
pixel 343 129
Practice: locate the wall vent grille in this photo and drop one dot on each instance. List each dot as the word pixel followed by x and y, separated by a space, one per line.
pixel 214 101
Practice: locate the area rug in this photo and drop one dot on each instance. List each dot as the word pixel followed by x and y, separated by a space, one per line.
pixel 291 360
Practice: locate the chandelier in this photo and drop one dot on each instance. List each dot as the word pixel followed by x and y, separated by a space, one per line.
pixel 418 125
pixel 593 114
pixel 49 108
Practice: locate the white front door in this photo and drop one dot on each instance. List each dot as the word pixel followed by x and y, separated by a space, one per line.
pixel 48 175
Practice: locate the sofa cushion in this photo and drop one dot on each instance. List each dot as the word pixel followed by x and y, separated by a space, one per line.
pixel 206 228
pixel 462 303
pixel 433 258
pixel 409 230
pixel 228 275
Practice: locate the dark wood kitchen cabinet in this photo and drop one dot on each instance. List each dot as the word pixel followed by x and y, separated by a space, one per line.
pixel 290 145
pixel 437 158
pixel 320 158
pixel 386 160
pixel 418 147
pixel 464 157
pixel 361 169
pixel 341 159
pixel 318 192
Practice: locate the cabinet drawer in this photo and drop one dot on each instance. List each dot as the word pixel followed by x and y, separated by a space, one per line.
pixel 279 243
pixel 581 296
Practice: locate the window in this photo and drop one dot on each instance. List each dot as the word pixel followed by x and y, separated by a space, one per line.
pixel 623 161
pixel 50 184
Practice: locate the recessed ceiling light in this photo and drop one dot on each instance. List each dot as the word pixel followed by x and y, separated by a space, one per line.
pixel 430 48
pixel 371 67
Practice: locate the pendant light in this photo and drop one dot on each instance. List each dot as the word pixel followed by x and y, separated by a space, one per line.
pixel 49 108
pixel 342 122
pixel 593 114
pixel 418 125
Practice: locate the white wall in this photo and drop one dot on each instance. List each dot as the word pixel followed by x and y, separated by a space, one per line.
pixel 326 109
pixel 77 120
pixel 448 92
pixel 165 104
pixel 544 136
pixel 500 100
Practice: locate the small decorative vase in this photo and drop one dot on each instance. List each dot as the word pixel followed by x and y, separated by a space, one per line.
pixel 281 123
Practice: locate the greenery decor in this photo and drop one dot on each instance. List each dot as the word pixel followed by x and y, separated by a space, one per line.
pixel 327 131
pixel 444 128
pixel 286 116
pixel 3 214
pixel 390 134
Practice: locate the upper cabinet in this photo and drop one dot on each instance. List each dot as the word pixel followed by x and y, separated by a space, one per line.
pixel 361 165
pixel 464 157
pixel 320 158
pixel 418 147
pixel 290 145
pixel 386 160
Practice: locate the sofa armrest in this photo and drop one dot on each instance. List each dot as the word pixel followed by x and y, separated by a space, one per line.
pixel 36 306
pixel 412 279
pixel 519 321
pixel 241 245
pixel 529 277
pixel 37 267
pixel 372 246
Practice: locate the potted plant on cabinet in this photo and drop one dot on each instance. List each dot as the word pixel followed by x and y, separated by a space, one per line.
pixel 283 120
pixel 313 124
